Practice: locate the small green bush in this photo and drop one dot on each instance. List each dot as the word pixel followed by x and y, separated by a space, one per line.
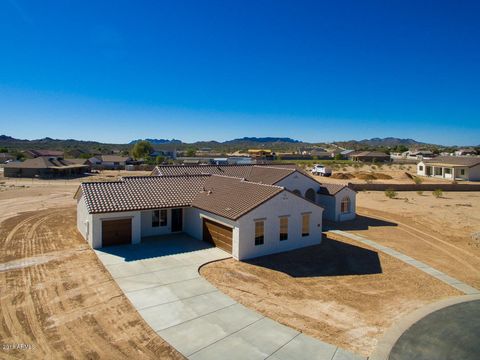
pixel 437 193
pixel 417 180
pixel 419 192
pixel 390 193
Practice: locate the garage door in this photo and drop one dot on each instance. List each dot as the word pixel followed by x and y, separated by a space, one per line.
pixel 116 232
pixel 218 234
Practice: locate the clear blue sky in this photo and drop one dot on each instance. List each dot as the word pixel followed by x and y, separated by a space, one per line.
pixel 200 70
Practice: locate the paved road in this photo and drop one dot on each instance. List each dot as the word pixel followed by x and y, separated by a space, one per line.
pixel 161 280
pixel 451 333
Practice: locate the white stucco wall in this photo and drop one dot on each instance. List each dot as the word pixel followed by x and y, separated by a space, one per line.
pixel 97 226
pixel 283 204
pixel 84 220
pixel 328 203
pixel 473 173
pixel 338 203
pixel 421 172
pixel 299 181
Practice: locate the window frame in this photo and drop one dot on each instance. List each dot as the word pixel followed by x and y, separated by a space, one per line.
pixel 306 226
pixel 346 200
pixel 159 218
pixel 259 238
pixel 283 233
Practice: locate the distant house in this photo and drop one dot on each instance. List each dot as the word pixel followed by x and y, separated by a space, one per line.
pixel 465 152
pixel 451 167
pixel 110 161
pixel 369 156
pixel 261 154
pixel 46 167
pixel 38 153
pixel 4 157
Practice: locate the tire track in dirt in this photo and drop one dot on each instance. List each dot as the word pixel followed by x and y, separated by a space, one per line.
pixel 375 213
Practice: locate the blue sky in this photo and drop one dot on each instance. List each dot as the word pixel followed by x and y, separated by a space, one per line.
pixel 201 70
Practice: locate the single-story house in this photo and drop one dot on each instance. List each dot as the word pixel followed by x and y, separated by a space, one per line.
pixel 451 167
pixel 40 153
pixel 110 161
pixel 46 167
pixel 466 152
pixel 247 219
pixel 369 156
pixel 329 196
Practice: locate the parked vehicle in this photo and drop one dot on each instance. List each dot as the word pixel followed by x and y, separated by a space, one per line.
pixel 321 170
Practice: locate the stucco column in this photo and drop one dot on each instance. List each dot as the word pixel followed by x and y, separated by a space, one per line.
pixel 453 173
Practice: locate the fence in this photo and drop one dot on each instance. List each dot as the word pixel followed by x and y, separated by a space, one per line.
pixel 415 187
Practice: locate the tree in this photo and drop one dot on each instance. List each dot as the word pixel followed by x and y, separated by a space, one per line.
pixel 142 149
pixel 3 150
pixel 338 157
pixel 191 152
pixel 159 159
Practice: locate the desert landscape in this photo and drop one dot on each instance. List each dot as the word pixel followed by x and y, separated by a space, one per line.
pixel 56 299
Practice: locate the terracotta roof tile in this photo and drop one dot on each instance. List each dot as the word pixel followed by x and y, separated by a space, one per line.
pixel 233 197
pixel 455 160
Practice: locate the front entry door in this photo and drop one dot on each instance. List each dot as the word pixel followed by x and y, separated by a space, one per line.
pixel 177 220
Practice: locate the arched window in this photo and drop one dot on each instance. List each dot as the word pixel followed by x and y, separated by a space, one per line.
pixel 345 205
pixel 297 192
pixel 310 194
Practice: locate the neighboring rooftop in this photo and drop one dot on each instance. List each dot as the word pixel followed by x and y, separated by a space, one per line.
pixel 330 189
pixel 266 174
pixel 38 153
pixel 45 162
pixel 468 161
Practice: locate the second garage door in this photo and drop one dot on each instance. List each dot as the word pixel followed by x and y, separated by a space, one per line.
pixel 116 232
pixel 218 234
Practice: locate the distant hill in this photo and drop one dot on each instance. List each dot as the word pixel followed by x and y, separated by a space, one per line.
pixel 263 140
pixel 388 142
pixel 157 141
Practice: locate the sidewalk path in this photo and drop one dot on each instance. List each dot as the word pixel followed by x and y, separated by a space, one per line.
pixel 457 284
pixel 194 316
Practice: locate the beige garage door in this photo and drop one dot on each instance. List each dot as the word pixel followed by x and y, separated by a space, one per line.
pixel 116 232
pixel 218 235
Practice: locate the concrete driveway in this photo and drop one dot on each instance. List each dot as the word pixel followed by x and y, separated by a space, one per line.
pixel 160 277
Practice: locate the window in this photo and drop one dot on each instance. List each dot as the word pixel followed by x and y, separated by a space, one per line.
pixel 420 168
pixel 159 218
pixel 259 232
pixel 283 228
pixel 462 172
pixel 310 195
pixel 305 224
pixel 448 171
pixel 345 205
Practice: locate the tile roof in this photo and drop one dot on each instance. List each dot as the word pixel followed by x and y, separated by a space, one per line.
pixel 44 162
pixel 330 189
pixel 266 174
pixel 114 158
pixel 455 160
pixel 141 193
pixel 232 197
pixel 368 154
pixel 229 197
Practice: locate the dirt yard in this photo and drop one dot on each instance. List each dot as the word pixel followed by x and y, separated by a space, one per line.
pixel 437 231
pixel 379 173
pixel 340 292
pixel 56 299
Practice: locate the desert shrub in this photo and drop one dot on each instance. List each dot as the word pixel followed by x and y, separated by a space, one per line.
pixel 437 193
pixel 419 192
pixel 417 180
pixel 344 169
pixel 390 193
pixel 373 167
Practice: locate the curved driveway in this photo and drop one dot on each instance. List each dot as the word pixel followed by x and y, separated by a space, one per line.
pixel 161 279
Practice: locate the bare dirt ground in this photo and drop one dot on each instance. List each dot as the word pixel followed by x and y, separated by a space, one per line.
pixel 437 231
pixel 55 296
pixel 377 174
pixel 340 292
